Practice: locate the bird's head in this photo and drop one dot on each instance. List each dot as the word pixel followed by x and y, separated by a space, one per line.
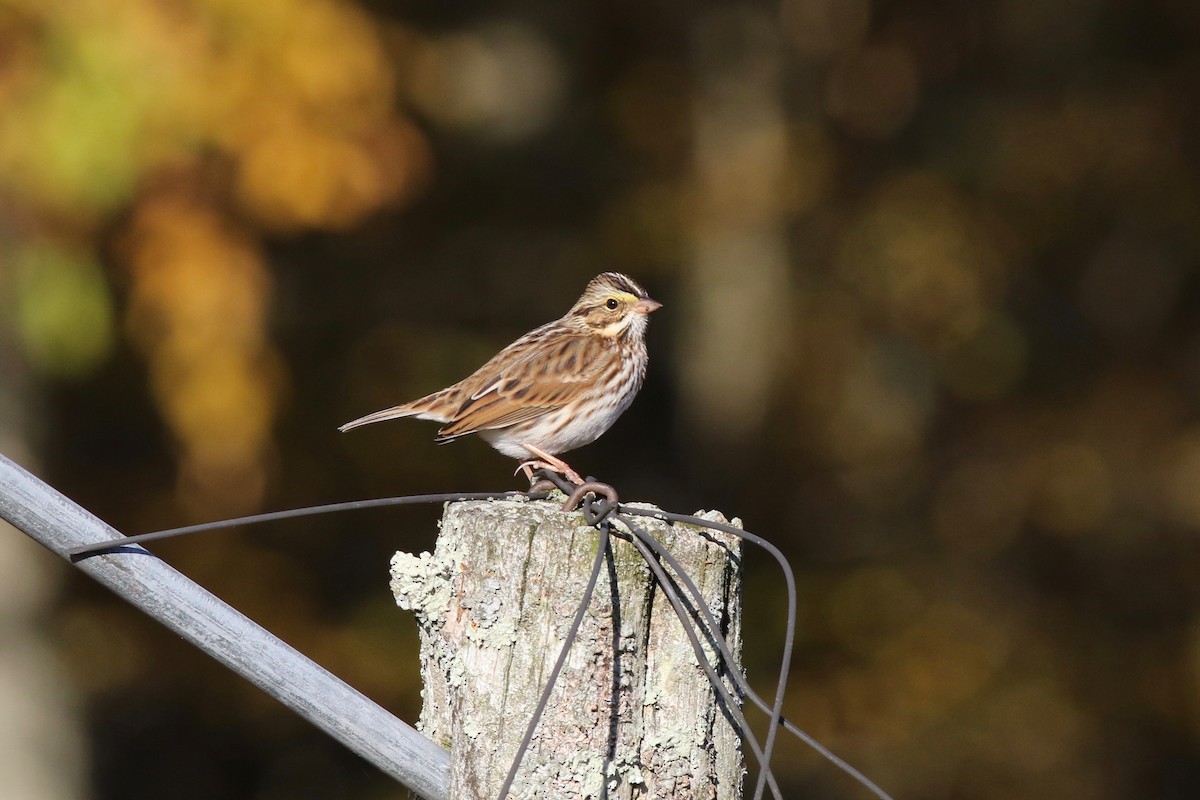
pixel 612 305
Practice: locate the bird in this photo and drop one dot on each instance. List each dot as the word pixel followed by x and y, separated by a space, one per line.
pixel 556 388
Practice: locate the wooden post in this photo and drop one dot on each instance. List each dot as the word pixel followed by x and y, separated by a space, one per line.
pixel 632 715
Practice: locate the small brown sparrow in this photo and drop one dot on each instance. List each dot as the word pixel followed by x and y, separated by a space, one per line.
pixel 556 388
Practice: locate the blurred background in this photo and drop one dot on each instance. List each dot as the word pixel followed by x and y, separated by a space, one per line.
pixel 930 273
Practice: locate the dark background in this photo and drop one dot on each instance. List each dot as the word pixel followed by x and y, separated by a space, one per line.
pixel 929 274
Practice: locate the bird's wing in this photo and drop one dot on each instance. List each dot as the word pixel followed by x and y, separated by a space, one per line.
pixel 525 386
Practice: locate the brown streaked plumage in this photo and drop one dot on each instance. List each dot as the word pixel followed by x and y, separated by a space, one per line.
pixel 556 388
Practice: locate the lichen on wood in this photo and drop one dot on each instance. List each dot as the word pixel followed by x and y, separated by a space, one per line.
pixel 632 715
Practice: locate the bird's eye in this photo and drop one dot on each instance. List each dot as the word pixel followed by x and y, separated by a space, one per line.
pixel 612 304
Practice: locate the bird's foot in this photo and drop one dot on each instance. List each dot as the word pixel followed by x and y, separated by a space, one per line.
pixel 546 461
pixel 529 467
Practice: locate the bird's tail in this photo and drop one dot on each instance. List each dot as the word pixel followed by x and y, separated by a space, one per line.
pixel 432 407
pixel 379 416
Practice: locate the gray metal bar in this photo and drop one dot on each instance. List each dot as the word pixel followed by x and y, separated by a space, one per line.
pixel 239 643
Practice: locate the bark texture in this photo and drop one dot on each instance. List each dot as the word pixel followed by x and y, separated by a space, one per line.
pixel 632 715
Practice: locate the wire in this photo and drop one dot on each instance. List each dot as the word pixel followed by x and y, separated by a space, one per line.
pixel 353 505
pixel 731 705
pixel 744 686
pixel 790 634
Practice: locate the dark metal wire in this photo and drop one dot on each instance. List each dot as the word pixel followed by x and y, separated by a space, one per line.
pixel 731 705
pixel 584 602
pixel 100 547
pixel 734 668
pixel 602 507
pixel 597 501
pixel 790 631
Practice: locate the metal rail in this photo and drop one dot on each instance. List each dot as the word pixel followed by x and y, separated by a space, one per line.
pixel 239 643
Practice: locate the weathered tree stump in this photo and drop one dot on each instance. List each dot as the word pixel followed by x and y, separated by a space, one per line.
pixel 632 715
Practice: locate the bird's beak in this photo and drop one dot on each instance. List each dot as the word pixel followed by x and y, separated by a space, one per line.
pixel 646 305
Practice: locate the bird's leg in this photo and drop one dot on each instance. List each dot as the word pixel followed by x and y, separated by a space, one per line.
pixel 549 462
